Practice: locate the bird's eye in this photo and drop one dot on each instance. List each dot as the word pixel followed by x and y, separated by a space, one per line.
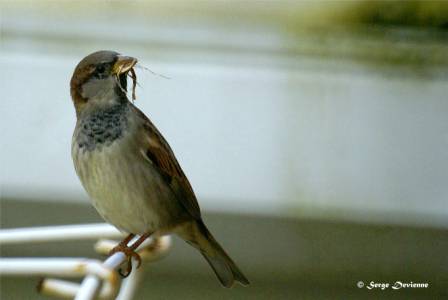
pixel 100 69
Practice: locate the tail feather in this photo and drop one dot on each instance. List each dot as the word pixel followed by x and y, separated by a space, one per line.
pixel 223 266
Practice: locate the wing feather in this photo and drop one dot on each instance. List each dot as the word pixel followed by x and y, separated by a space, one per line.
pixel 160 154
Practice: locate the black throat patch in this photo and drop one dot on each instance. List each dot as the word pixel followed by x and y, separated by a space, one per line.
pixel 102 127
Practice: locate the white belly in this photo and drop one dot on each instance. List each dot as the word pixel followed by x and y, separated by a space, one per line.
pixel 124 188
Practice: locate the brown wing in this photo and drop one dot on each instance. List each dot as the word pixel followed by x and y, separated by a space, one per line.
pixel 160 154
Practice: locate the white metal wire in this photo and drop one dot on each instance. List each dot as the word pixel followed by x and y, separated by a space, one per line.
pixel 58 233
pixel 101 279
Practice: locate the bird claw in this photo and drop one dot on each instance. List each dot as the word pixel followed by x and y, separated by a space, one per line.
pixel 130 253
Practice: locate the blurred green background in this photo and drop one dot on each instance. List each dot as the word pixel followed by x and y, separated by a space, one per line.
pixel 313 132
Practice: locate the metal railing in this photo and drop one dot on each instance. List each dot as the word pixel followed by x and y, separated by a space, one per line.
pixel 101 280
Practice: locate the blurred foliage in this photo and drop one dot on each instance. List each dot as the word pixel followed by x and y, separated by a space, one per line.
pixel 411 33
pixel 375 32
pixel 400 13
pixel 416 13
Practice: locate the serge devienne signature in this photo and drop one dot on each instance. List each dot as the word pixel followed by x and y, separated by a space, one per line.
pixel 396 286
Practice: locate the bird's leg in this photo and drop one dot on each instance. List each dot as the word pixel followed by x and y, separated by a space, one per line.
pixel 140 240
pixel 125 241
pixel 129 251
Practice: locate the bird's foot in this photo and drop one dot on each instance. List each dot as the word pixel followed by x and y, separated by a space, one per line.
pixel 130 253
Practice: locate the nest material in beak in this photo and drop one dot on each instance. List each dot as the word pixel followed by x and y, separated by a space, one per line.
pixel 123 64
pixel 126 64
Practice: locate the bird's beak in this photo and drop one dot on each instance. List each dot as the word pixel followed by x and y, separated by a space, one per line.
pixel 123 64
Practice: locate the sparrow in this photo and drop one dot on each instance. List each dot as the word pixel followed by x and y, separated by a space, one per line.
pixel 128 169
